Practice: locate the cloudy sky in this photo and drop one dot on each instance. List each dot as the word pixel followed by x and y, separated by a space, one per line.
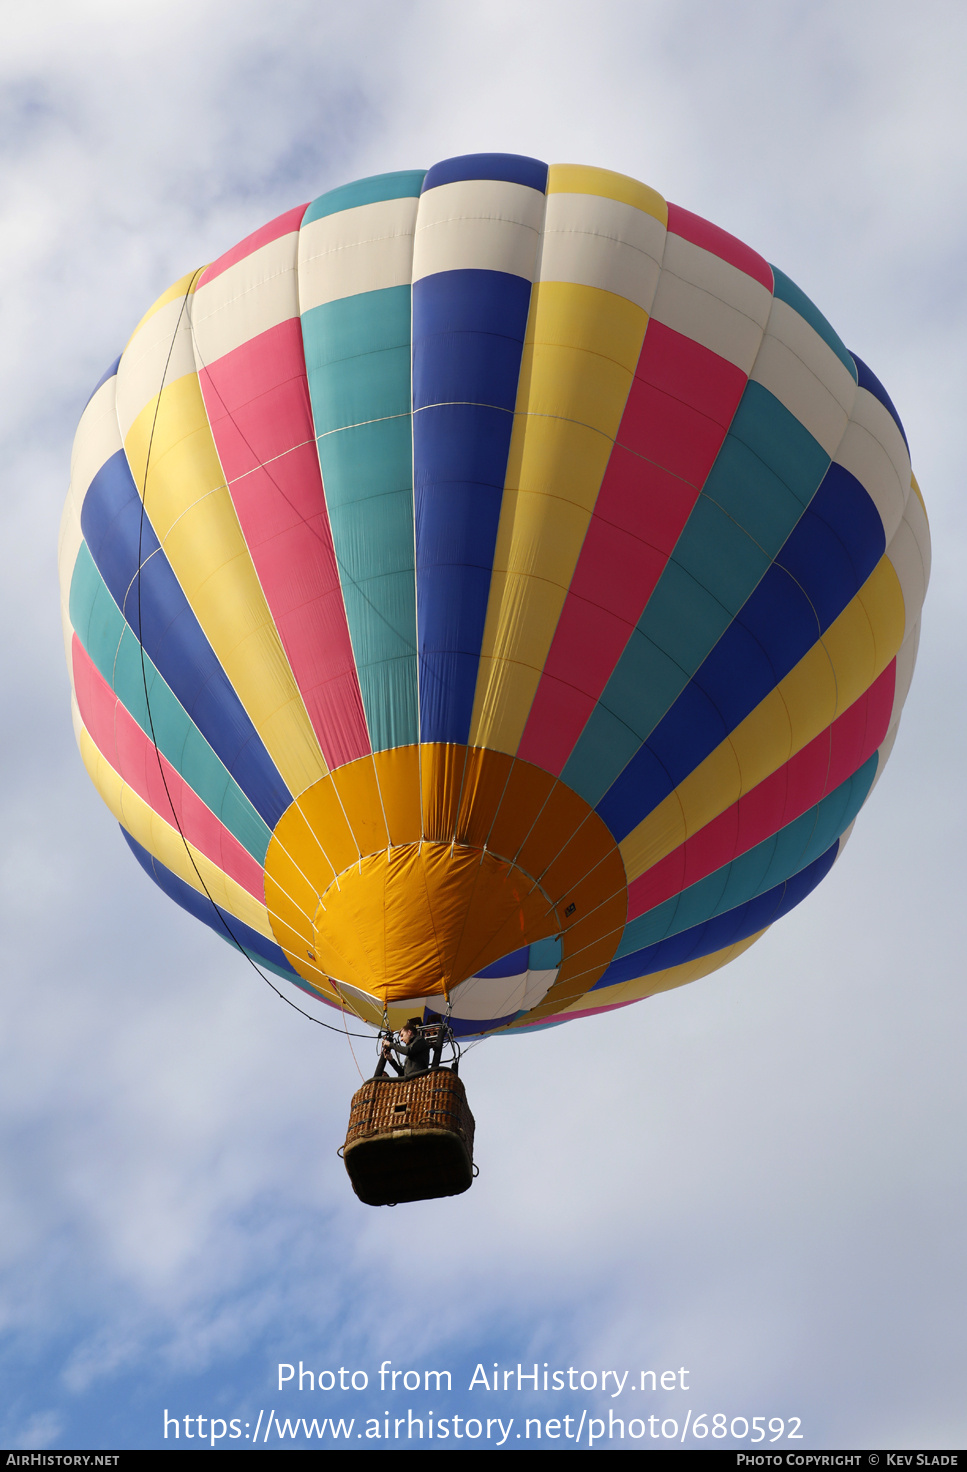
pixel 759 1178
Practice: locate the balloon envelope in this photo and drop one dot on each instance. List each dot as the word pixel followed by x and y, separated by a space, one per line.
pixel 491 582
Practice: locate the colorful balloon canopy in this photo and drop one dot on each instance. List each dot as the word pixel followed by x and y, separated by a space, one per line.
pixel 491 582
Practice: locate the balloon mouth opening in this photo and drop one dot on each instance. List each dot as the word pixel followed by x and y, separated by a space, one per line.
pixel 419 920
pixel 403 878
pixel 496 996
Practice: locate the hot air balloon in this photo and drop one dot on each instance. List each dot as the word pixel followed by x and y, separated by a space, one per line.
pixel 489 588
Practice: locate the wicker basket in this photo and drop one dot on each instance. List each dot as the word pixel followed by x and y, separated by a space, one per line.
pixel 409 1139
